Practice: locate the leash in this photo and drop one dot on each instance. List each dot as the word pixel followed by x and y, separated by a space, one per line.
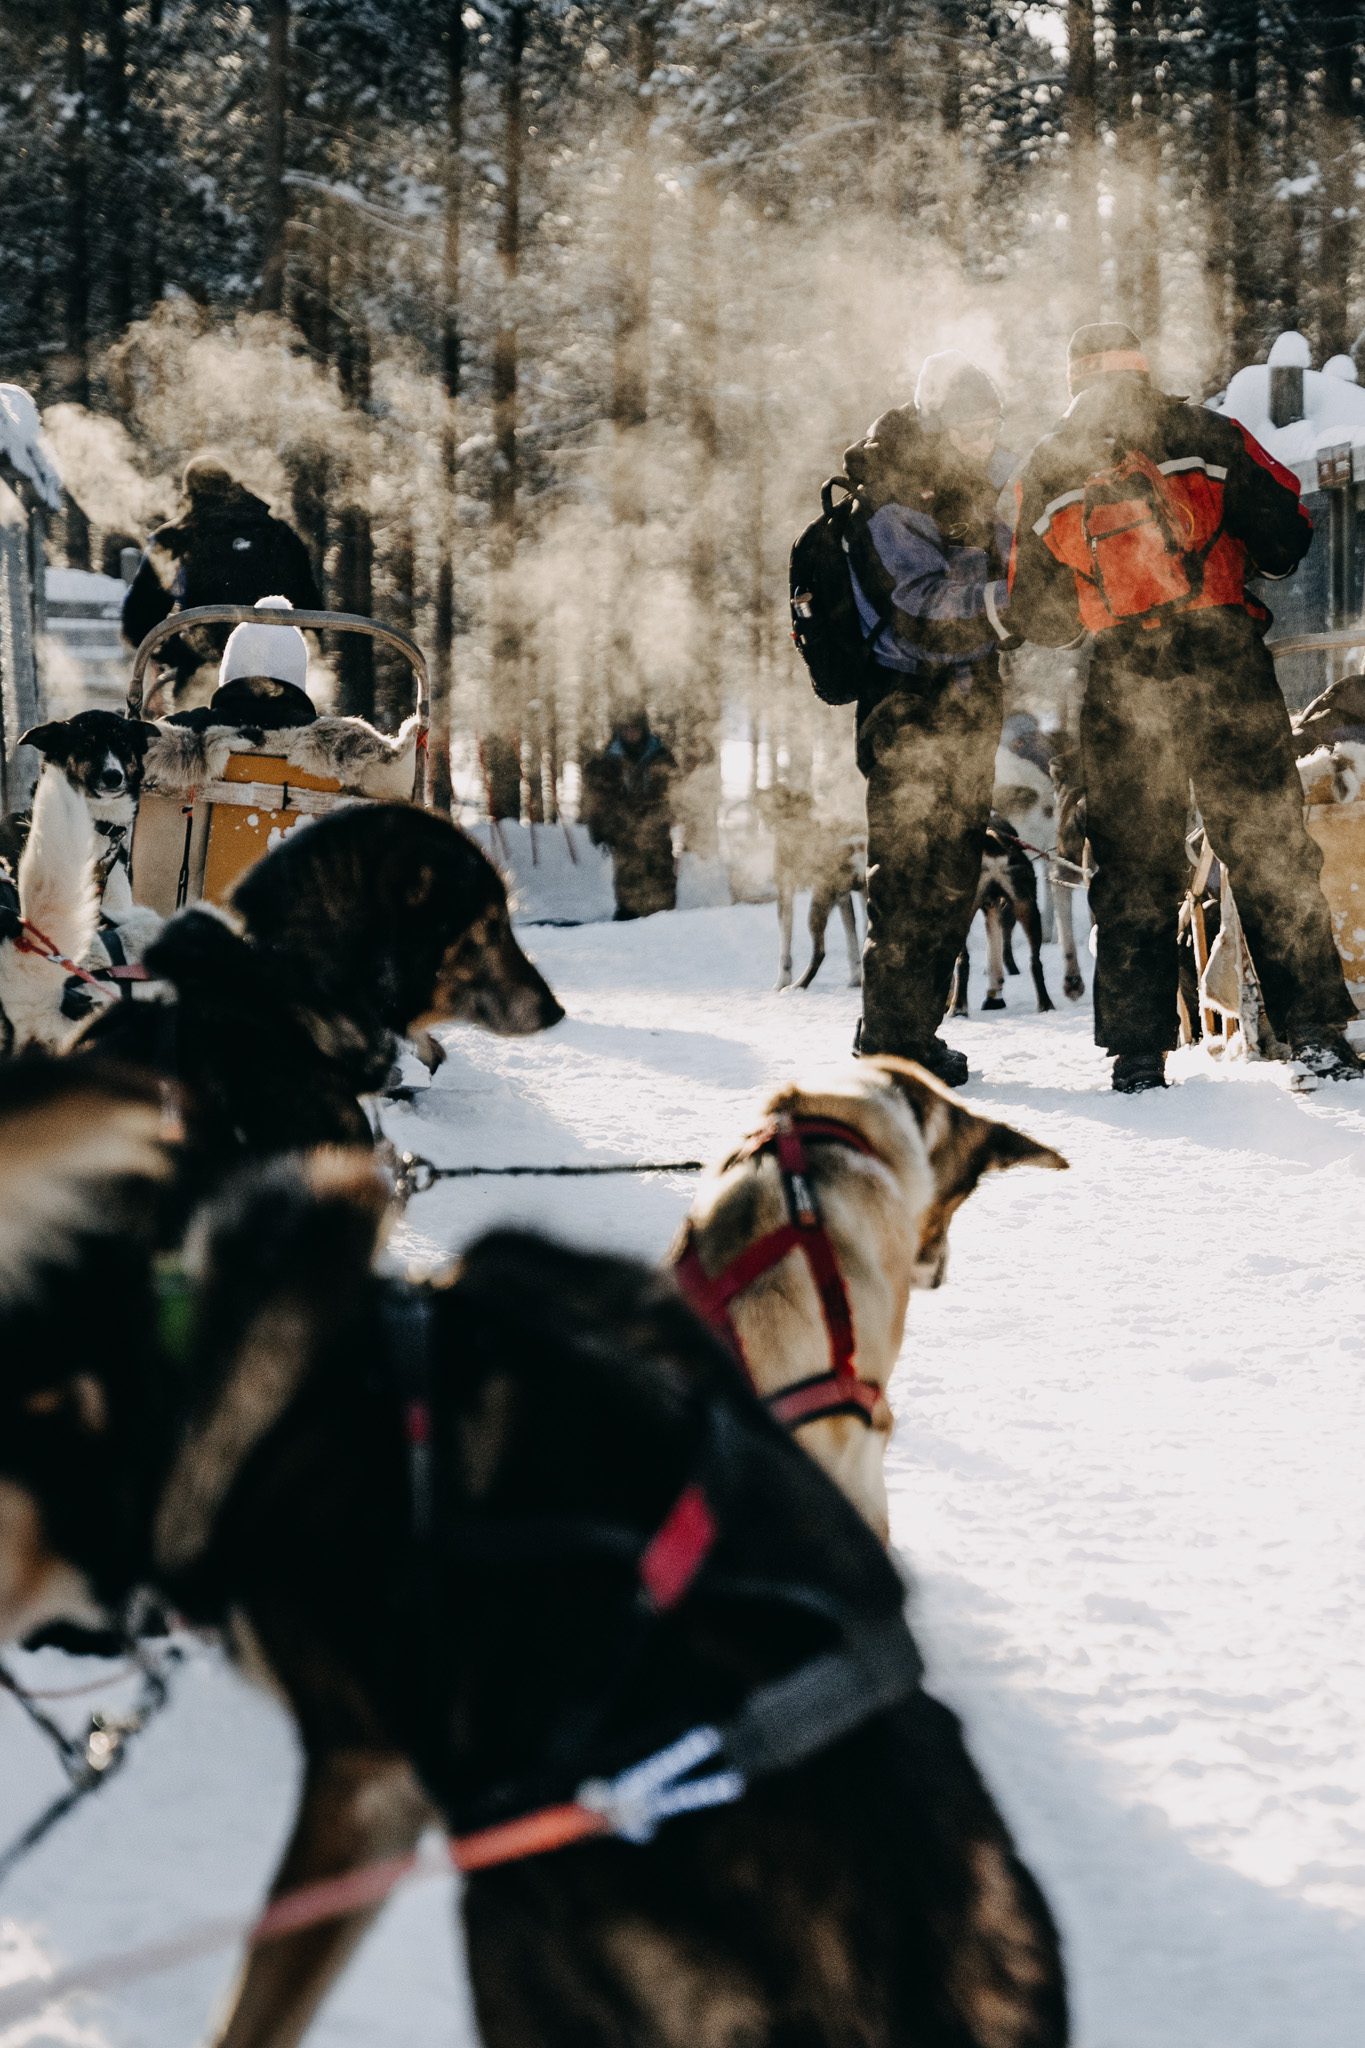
pixel 780 1724
pixel 630 1807
pixel 36 941
pixel 840 1390
pixel 416 1175
pixel 89 1761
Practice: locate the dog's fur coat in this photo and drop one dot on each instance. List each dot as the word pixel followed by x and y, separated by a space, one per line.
pixel 55 892
pixel 375 921
pixel 867 1897
pixel 812 853
pixel 887 1218
pixel 1008 886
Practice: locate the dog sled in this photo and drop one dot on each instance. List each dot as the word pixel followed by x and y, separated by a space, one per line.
pixel 1229 997
pixel 194 838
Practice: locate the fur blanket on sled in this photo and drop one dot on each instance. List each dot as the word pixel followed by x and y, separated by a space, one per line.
pixel 364 761
pixel 1333 774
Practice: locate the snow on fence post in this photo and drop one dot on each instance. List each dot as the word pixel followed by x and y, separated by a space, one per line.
pixel 1289 358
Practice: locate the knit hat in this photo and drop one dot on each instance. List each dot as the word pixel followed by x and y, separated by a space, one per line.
pixel 279 652
pixel 1105 348
pixel 207 476
pixel 952 390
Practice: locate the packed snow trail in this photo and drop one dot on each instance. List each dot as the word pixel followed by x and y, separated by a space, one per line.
pixel 1125 1476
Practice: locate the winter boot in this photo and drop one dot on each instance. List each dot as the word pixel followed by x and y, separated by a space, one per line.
pixel 1135 1072
pixel 1318 1056
pixel 942 1061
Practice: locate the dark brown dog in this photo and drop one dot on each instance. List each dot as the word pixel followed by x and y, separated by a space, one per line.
pixel 376 921
pixel 611 1546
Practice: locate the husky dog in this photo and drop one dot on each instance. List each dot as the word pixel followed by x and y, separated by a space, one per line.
pixel 810 853
pixel 885 1198
pixel 376 921
pixel 1008 890
pixel 596 1545
pixel 49 906
pixel 102 756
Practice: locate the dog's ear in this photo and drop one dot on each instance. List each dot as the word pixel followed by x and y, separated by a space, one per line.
pixel 962 1143
pixel 47 740
pixel 141 733
pixel 1007 1147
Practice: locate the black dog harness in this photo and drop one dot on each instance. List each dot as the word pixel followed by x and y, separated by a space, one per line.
pixel 778 1725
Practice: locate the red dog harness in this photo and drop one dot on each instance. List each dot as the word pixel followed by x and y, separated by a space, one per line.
pixel 840 1391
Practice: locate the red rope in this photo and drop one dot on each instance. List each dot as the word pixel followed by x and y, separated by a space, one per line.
pixel 45 950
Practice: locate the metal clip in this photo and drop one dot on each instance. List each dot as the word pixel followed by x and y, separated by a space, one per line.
pixel 637 1802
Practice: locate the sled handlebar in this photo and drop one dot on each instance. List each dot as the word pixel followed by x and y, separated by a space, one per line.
pixel 1339 641
pixel 310 621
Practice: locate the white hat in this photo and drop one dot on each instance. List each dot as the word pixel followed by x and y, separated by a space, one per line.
pixel 279 652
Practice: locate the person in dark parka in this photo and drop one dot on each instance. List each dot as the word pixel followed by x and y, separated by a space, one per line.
pixel 225 548
pixel 627 807
pixel 928 571
pixel 1141 517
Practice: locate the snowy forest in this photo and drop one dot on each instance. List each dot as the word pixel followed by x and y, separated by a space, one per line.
pixel 544 321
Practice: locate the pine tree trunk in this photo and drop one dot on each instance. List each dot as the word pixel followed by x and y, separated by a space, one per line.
pixel 355 536
pixel 1247 203
pixel 443 649
pixel 310 481
pixel 76 174
pixel 152 131
pixel 699 725
pixel 275 194
pixel 122 209
pixel 1340 31
pixel 1215 193
pixel 955 189
pixel 502 740
pixel 633 265
pixel 1137 218
pixel 1084 158
pixel 394 692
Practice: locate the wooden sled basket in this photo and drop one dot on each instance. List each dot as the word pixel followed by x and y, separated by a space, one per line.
pixel 195 849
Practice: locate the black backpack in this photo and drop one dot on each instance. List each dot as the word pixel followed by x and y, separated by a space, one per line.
pixel 826 624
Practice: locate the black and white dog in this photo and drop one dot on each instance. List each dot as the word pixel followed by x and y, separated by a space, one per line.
pixel 48 910
pixel 101 754
pixel 1008 888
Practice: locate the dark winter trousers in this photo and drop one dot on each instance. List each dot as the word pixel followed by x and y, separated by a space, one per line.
pixel 1199 704
pixel 928 752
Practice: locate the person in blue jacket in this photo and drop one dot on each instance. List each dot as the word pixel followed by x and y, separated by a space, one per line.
pixel 929 570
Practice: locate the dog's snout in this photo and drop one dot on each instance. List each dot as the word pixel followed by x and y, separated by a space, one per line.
pixel 111 778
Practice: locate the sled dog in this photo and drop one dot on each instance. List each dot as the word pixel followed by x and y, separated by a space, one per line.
pixel 885 1194
pixel 1006 895
pixel 280 1013
pixel 101 755
pixel 810 853
pixel 47 906
pixel 597 1552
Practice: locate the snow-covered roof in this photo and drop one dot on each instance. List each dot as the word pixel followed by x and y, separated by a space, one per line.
pixel 24 447
pixel 1334 411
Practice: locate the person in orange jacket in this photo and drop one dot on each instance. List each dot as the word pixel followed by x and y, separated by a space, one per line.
pixel 1141 518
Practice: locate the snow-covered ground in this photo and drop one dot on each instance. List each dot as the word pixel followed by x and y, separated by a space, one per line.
pixel 1126 1475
